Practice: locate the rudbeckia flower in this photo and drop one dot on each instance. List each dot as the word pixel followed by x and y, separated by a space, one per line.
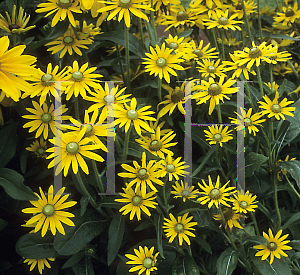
pixel 184 191
pixel 244 202
pixel 231 218
pixel 38 147
pixel 217 135
pixel 40 263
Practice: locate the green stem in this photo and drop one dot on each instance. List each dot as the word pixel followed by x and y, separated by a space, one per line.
pixel 76 108
pixel 159 89
pixel 247 21
pixel 278 5
pixel 223 48
pixel 149 30
pixel 120 62
pixel 224 224
pixel 153 22
pixel 252 215
pixel 203 271
pixel 127 137
pixel 215 39
pixel 259 21
pixel 219 113
pixel 292 186
pixel 97 176
pixel 164 191
pixel 276 202
pixel 260 82
pixel 142 33
pixel 293 69
pixel 271 76
pixel 127 58
pixel 249 96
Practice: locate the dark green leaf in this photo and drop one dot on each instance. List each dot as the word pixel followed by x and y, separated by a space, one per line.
pixel 227 262
pixel 143 226
pixel 73 260
pixel 3 223
pixel 254 162
pixel 191 267
pixel 292 167
pixel 256 240
pixel 158 221
pixel 185 33
pixel 279 35
pixel 84 267
pixel 8 140
pixel 115 236
pixel 84 201
pixel 12 182
pixel 146 84
pixel 201 217
pixel 294 219
pixel 295 244
pixel 203 243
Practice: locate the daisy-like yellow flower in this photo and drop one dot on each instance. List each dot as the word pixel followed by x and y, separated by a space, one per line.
pixel 156 144
pixel 127 114
pixel 184 191
pixel 237 8
pixel 15 66
pixel 63 9
pixel 209 68
pixel 231 218
pixel 289 15
pixel 254 55
pixel 143 175
pixel 38 147
pixel 275 108
pixel 214 91
pixel 275 86
pixel 88 31
pixel 215 195
pixel 282 69
pixel 43 84
pixel 244 202
pixel 275 246
pixel 276 56
pixel 161 62
pixel 123 7
pixel 159 4
pixel 87 4
pixel 144 260
pixel 133 75
pixel 283 170
pixel 179 228
pixel 231 42
pixel 103 95
pixel 47 211
pixel 43 118
pixel 247 120
pixel 172 168
pixel 222 20
pixel 41 263
pixel 15 24
pixel 80 80
pixel 68 150
pixel 136 202
pixel 204 52
pixel 217 135
pixel 68 43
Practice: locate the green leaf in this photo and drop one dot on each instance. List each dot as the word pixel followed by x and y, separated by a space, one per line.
pixel 185 266
pixel 227 262
pixel 295 244
pixel 203 243
pixel 279 35
pixel 254 162
pixel 8 143
pixel 293 168
pixel 34 246
pixel 185 33
pixel 143 226
pixel 201 217
pixel 12 182
pixel 115 236
pixel 158 221
pixel 84 201
pixel 84 267
pixel 205 159
pixel 3 223
pixel 294 219
pixel 257 240
pixel 148 83
pixel 73 260
pixel 77 237
pixel 296 118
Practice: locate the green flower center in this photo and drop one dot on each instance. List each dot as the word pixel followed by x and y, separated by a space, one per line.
pixel 136 200
pixel 147 263
pixel 161 62
pixel 276 108
pixel 211 69
pixel 217 137
pixel 68 40
pixel 177 95
pixel 272 246
pixel 170 168
pixel 47 77
pixel 243 204
pixel 179 227
pixel 215 194
pixel 46 118
pixel 89 130
pixel 48 210
pixel 155 145
pixel 247 121
pixel 142 174
pixel 72 147
pixel 182 15
pixel 125 4
pixel 173 45
pixel 255 52
pixel 109 99
pixel 77 76
pixel 132 114
pixel 41 151
pixel 198 52
pixel 185 193
pixel 64 4
pixel 289 13
pixel 214 89
pixel 223 21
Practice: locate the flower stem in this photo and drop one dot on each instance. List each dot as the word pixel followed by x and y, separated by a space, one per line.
pixel 252 215
pixel 127 136
pixel 76 108
pixel 149 30
pixel 292 186
pixel 271 76
pixel 98 177
pixel 259 21
pixel 219 113
pixel 276 202
pixel 120 62
pixel 224 224
pixel 215 39
pixel 293 68
pixel 159 89
pixel 142 33
pixel 127 58
pixel 223 48
pixel 247 21
pixel 260 82
pixel 153 22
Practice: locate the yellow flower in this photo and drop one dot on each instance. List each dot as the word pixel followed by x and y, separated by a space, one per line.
pixel 43 118
pixel 144 260
pixel 237 8
pixel 15 24
pixel 122 7
pixel 68 149
pixel 63 9
pixel 160 4
pixel 133 75
pixel 179 228
pixel 214 195
pixel 289 15
pixel 203 52
pixel 38 147
pixel 127 114
pixel 41 263
pixel 47 211
pixel 136 202
pixel 68 43
pixel 279 56
pixel 274 108
pixel 229 42
pixel 142 175
pixel 88 3
pixel 244 202
pixel 214 91
pixel 209 68
pixel 217 135
pixel 231 218
pixel 14 66
pixel 184 190
pixel 248 120
pixel 161 62
pixel 80 80
pixel 275 86
pixel 283 170
pixel 275 246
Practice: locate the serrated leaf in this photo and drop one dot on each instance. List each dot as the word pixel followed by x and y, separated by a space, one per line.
pixel 227 262
pixel 253 163
pixel 115 236
pixel 12 182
